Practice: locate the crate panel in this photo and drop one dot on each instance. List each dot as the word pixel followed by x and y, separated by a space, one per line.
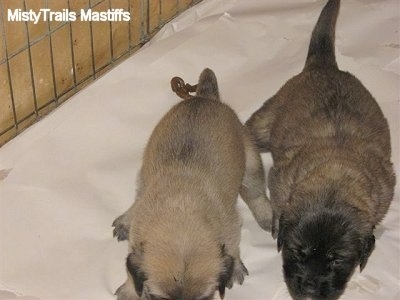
pixel 43 64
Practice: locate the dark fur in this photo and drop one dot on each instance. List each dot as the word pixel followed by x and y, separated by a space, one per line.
pixel 227 272
pixel 138 276
pixel 332 180
pixel 322 245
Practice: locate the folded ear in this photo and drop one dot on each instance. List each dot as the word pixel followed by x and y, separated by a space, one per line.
pixel 133 267
pixel 367 247
pixel 226 273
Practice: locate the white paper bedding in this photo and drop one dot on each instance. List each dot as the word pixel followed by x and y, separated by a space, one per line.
pixel 65 179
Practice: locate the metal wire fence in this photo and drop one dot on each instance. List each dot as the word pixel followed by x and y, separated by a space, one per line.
pixel 44 63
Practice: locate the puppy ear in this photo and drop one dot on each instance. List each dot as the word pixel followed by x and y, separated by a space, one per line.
pixel 281 233
pixel 226 273
pixel 133 267
pixel 368 246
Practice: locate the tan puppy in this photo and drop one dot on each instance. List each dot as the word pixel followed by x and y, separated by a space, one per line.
pixel 184 227
pixel 332 179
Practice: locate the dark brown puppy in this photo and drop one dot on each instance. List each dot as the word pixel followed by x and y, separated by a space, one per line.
pixel 332 179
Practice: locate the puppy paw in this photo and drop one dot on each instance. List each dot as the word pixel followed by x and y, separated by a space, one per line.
pixel 265 224
pixel 126 292
pixel 275 226
pixel 239 272
pixel 262 212
pixel 121 227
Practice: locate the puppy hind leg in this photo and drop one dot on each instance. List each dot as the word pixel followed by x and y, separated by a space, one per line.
pixel 239 270
pixel 260 124
pixel 123 222
pixel 279 184
pixel 231 250
pixel 253 188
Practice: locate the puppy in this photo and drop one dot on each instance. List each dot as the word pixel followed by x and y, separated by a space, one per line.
pixel 332 179
pixel 184 227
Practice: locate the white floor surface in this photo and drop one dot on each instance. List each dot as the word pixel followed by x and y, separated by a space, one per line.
pixel 67 177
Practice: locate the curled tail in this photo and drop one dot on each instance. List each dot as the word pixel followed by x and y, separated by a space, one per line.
pixel 321 51
pixel 208 86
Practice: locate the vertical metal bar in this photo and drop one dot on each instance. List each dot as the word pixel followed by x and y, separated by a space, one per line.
pixel 129 26
pixel 92 44
pixel 145 20
pixel 160 9
pixel 111 35
pixel 9 72
pixel 31 65
pixel 72 47
pixel 148 18
pixel 53 73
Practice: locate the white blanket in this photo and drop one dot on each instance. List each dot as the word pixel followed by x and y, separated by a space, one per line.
pixel 65 179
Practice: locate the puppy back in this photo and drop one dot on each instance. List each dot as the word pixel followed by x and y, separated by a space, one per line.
pixel 321 51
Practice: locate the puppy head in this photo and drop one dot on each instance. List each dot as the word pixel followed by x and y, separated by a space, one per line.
pixel 321 250
pixel 165 273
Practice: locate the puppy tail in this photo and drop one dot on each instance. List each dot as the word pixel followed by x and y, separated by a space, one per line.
pixel 208 86
pixel 321 51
